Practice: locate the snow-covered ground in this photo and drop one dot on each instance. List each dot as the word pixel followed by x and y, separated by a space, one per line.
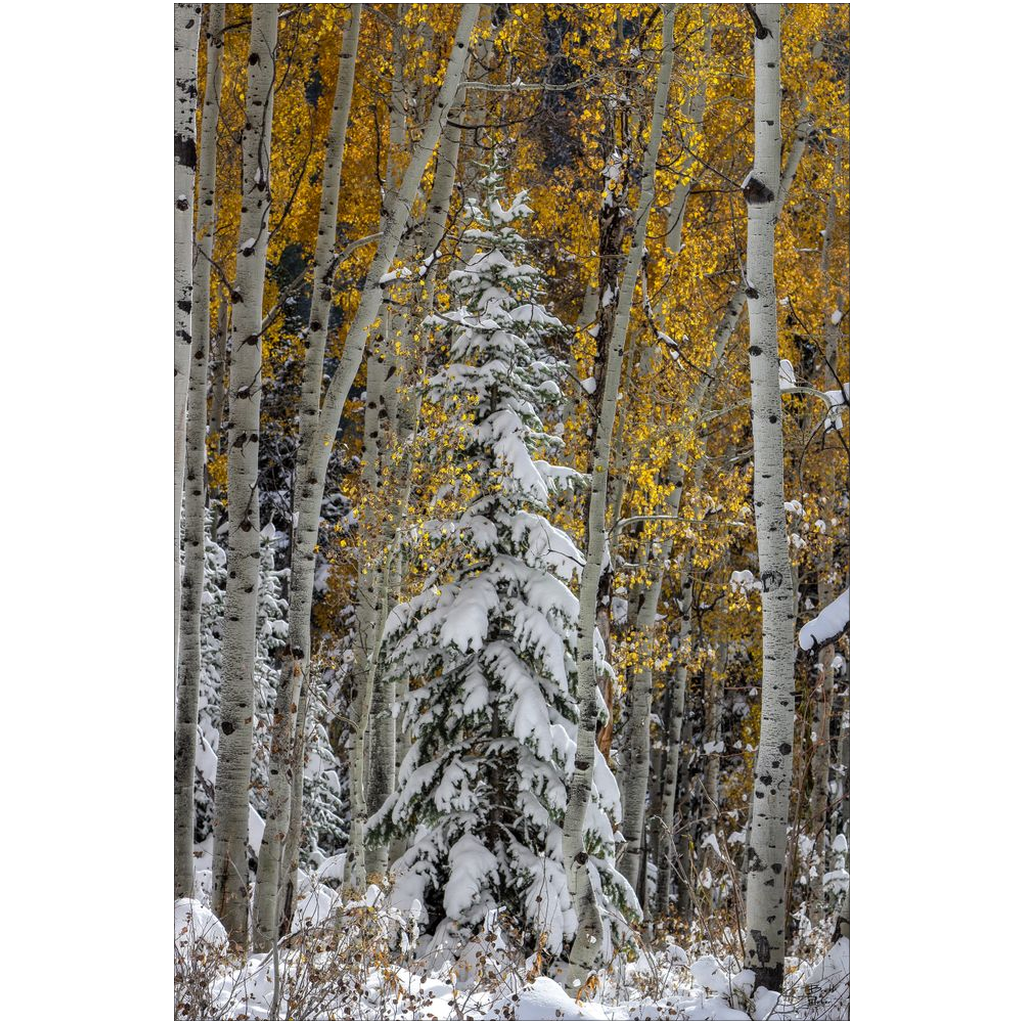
pixel 366 961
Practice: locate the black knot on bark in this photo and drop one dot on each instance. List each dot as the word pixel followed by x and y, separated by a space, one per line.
pixel 185 151
pixel 757 192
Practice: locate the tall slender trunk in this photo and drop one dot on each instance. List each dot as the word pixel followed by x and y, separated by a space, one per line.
pixel 371 768
pixel 187 18
pixel 587 944
pixel 766 889
pixel 371 595
pixel 189 659
pixel 695 406
pixel 219 386
pixel 821 758
pixel 234 760
pixel 290 857
pixel 665 830
pixel 320 423
pixel 283 762
pixel 713 694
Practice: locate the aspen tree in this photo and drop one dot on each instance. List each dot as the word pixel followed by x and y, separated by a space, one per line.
pixel 586 946
pixel 189 660
pixel 425 244
pixel 370 751
pixel 285 757
pixel 766 855
pixel 187 18
pixel 234 754
pixel 664 835
pixel 321 420
pixel 821 756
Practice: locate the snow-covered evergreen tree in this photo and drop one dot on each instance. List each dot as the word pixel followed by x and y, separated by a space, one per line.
pixel 481 794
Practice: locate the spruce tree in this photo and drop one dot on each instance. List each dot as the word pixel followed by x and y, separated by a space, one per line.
pixel 488 644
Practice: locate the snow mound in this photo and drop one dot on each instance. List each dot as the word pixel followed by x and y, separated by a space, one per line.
pixel 195 923
pixel 544 999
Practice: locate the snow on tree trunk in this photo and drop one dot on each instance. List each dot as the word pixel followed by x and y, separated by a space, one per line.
pixel 766 855
pixel 187 18
pixel 189 656
pixel 234 761
pixel 284 764
pixel 587 947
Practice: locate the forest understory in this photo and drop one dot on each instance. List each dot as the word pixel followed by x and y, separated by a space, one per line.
pixel 512 505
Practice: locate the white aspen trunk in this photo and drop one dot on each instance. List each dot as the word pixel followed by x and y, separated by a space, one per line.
pixel 290 857
pixel 713 695
pixel 371 764
pixel 292 681
pixel 371 595
pixel 637 753
pixel 676 714
pixel 189 660
pixel 317 441
pixel 219 369
pixel 766 855
pixel 234 755
pixel 821 758
pixel 587 944
pixel 722 336
pixel 187 18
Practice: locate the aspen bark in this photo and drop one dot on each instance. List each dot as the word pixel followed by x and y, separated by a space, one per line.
pixel 284 763
pixel 723 334
pixel 187 18
pixel 289 886
pixel 371 769
pixel 821 757
pixel 713 694
pixel 219 370
pixel 587 944
pixel 320 423
pixel 637 753
pixel 677 712
pixel 766 855
pixel 234 761
pixel 371 595
pixel 189 660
